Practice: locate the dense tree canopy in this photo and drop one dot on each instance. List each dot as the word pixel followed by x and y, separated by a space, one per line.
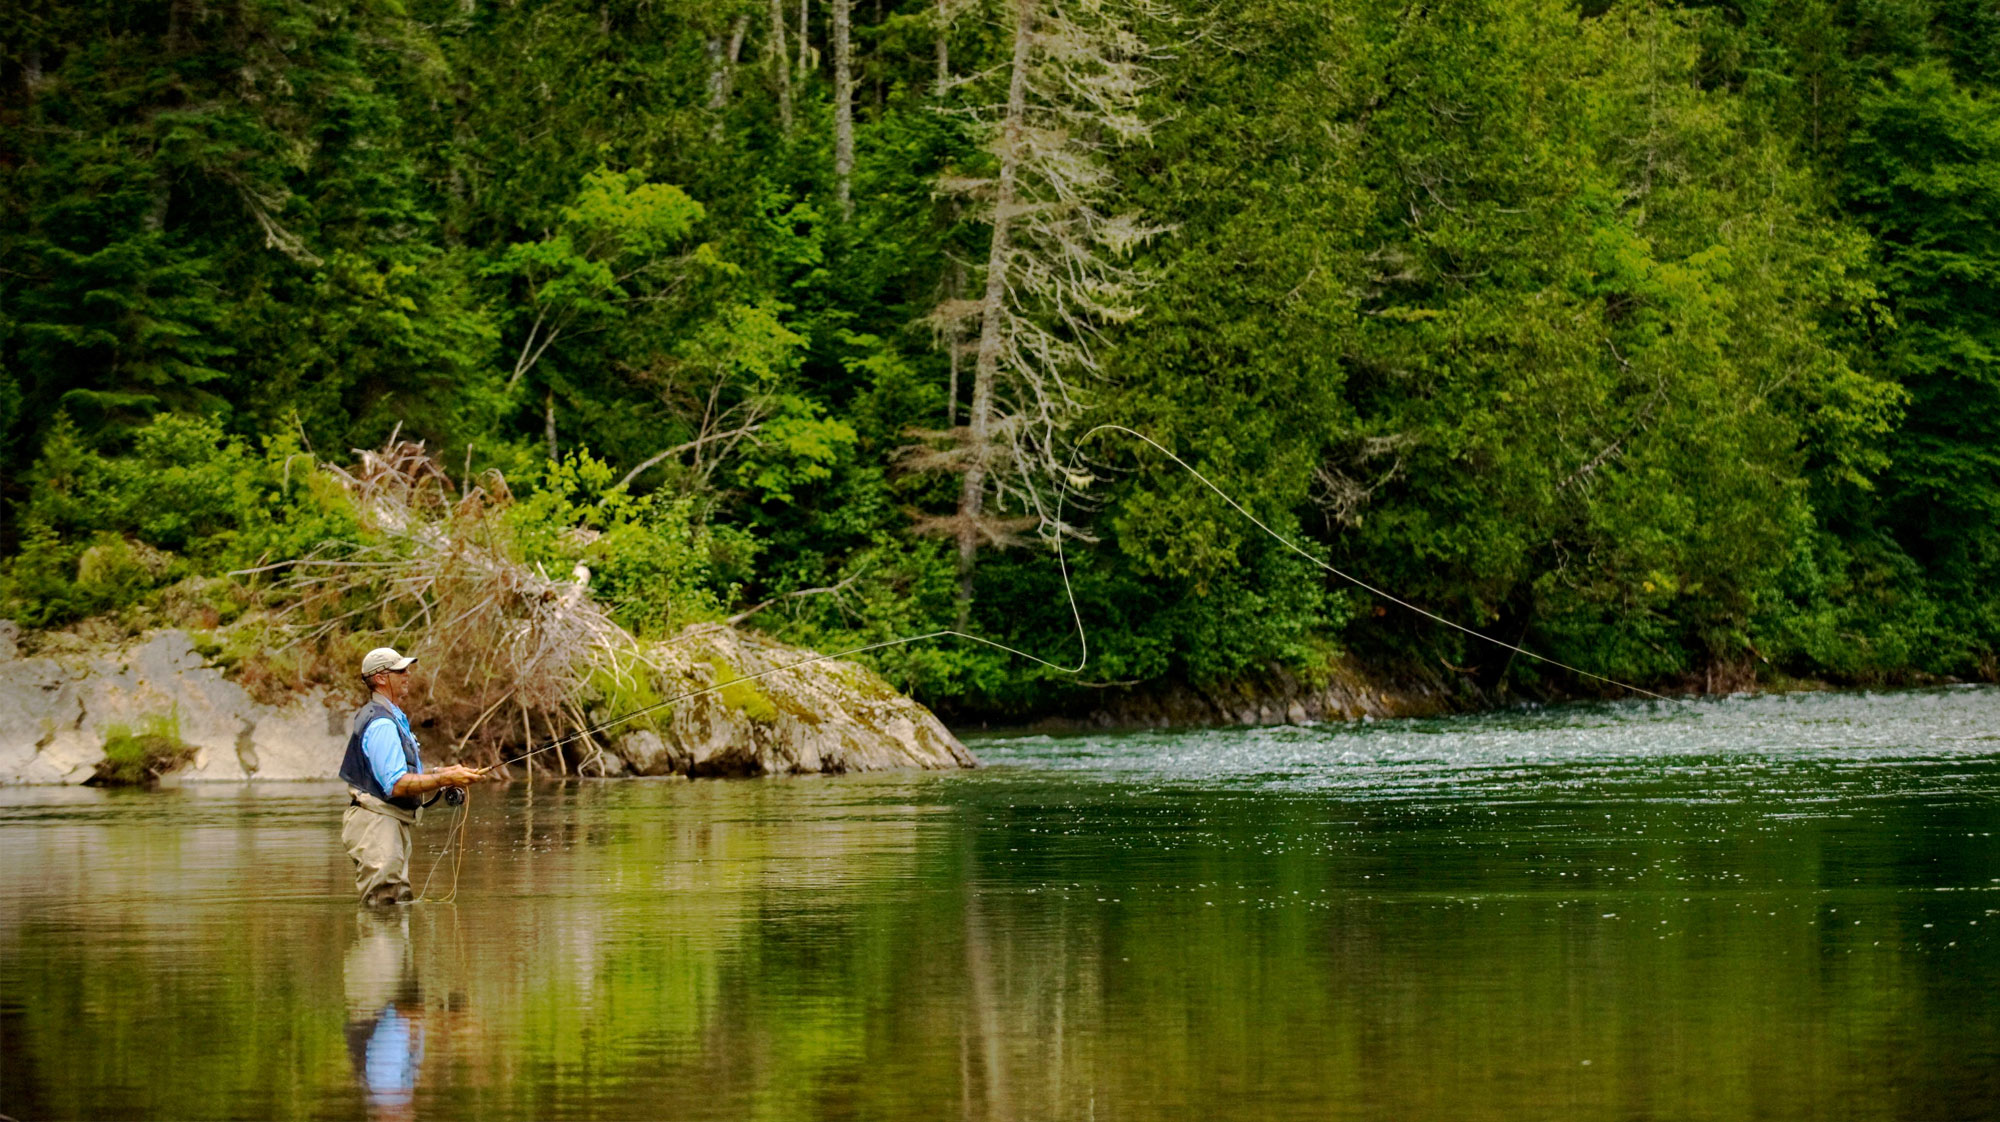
pixel 1661 338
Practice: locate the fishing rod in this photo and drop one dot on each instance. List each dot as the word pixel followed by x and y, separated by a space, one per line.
pixel 1083 637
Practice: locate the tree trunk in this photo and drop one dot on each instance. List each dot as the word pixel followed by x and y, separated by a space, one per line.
pixel 843 111
pixel 160 197
pixel 781 63
pixel 954 288
pixel 722 65
pixel 712 47
pixel 737 31
pixel 954 284
pixel 943 48
pixel 176 25
pixel 972 497
pixel 805 39
pixel 549 421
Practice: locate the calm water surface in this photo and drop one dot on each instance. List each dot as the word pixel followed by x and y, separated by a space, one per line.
pixel 1749 908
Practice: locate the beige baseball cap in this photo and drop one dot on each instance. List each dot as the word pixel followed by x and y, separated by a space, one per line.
pixel 383 658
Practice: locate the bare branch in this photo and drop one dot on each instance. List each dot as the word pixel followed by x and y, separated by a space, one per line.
pixel 832 589
pixel 687 447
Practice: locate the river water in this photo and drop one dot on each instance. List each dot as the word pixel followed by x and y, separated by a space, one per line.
pixel 1776 907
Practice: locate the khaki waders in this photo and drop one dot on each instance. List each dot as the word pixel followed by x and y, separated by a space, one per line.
pixel 377 836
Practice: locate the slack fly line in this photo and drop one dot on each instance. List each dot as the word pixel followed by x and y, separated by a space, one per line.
pixel 455 834
pixel 1348 577
pixel 1076 615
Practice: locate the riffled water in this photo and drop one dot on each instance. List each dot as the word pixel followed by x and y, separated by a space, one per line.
pixel 1778 907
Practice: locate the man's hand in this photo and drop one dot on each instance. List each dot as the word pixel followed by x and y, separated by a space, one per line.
pixel 458 775
pixel 423 783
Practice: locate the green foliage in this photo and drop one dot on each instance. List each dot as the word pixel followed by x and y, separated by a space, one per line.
pixel 104 532
pixel 1924 174
pixel 617 691
pixel 365 345
pixel 1658 338
pixel 192 194
pixel 797 447
pixel 607 250
pixel 651 558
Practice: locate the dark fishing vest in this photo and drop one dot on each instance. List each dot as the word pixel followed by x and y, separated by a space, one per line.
pixel 354 767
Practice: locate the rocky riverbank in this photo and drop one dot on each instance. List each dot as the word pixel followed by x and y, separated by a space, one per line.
pixel 61 704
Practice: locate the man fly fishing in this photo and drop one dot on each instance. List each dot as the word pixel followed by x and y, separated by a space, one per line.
pixel 386 783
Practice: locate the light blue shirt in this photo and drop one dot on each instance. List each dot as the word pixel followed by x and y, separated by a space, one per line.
pixel 394 1052
pixel 384 748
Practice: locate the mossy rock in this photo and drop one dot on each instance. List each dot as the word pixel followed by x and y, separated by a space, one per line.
pixel 742 694
pixel 139 759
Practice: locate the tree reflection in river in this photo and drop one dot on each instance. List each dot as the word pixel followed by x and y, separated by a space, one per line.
pixel 1492 918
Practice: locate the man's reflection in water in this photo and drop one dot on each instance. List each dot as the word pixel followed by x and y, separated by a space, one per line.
pixel 385 1013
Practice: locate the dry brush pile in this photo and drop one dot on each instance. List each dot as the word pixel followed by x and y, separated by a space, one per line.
pixel 510 654
pixel 513 657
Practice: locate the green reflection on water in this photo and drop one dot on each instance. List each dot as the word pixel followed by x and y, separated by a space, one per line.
pixel 1799 935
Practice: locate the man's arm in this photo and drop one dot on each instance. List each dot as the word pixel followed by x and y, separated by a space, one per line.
pixel 384 747
pixel 424 782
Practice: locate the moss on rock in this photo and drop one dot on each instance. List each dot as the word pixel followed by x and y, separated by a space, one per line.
pixel 742 694
pixel 139 759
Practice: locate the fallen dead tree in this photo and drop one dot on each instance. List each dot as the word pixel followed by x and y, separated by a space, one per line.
pixel 511 654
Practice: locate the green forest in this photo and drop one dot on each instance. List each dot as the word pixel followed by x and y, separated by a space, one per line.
pixel 1660 339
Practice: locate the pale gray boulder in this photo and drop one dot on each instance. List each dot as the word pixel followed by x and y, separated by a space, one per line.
pixel 56 710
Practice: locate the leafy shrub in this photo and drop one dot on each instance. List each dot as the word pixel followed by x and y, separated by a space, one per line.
pixel 103 531
pixel 652 560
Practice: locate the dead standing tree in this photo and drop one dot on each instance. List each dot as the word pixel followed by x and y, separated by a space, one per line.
pixel 781 65
pixel 843 110
pixel 722 59
pixel 1057 268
